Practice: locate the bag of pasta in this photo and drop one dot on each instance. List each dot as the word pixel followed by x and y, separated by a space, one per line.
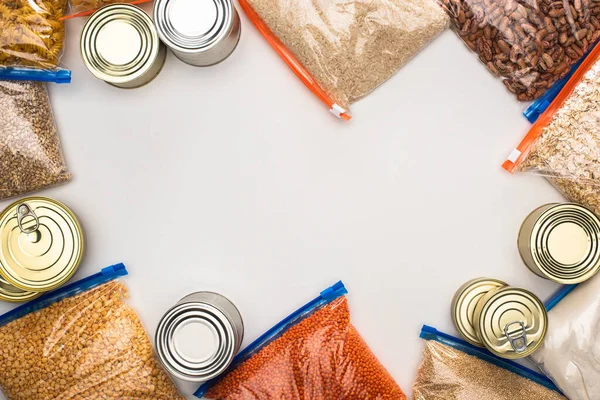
pixel 81 341
pixel 32 38
pixel 82 8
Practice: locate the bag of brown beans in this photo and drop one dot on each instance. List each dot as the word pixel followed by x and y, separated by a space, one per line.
pixel 528 44
pixel 30 153
pixel 453 369
pixel 80 342
pixel 315 353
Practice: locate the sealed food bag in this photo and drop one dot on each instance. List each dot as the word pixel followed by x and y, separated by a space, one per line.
pixel 32 36
pixel 80 342
pixel 82 8
pixel 528 44
pixel 30 152
pixel 564 143
pixel 453 369
pixel 570 353
pixel 315 353
pixel 342 50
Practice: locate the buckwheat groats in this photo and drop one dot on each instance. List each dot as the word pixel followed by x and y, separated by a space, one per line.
pixel 89 346
pixel 30 152
pixel 321 357
pixel 528 44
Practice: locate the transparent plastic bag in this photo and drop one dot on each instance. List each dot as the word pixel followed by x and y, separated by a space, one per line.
pixel 570 353
pixel 342 50
pixel 82 8
pixel 564 143
pixel 31 33
pixel 315 353
pixel 30 152
pixel 528 44
pixel 452 369
pixel 80 342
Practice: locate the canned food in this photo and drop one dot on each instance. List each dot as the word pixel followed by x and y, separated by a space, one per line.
pixel 13 294
pixel 120 46
pixel 510 322
pixel 560 242
pixel 198 32
pixel 464 303
pixel 197 339
pixel 41 244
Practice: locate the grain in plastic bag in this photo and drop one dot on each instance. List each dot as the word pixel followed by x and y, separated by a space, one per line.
pixel 564 143
pixel 80 342
pixel 570 352
pixel 315 353
pixel 342 50
pixel 30 153
pixel 453 369
pixel 529 45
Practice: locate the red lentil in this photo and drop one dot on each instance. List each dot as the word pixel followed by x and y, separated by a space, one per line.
pixel 321 357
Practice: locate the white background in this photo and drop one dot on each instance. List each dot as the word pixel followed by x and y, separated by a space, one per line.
pixel 236 179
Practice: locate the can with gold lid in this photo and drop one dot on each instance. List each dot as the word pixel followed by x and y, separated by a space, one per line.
pixel 41 244
pixel 120 45
pixel 511 322
pixel 13 294
pixel 464 302
pixel 561 242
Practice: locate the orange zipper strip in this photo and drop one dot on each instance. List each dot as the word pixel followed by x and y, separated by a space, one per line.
pixel 293 62
pixel 544 120
pixel 90 12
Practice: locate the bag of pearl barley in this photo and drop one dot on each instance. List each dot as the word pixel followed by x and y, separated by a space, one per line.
pixel 80 342
pixel 453 369
pixel 30 153
pixel 315 353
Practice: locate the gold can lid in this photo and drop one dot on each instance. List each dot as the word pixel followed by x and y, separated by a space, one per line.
pixel 565 243
pixel 13 294
pixel 41 244
pixel 464 302
pixel 511 322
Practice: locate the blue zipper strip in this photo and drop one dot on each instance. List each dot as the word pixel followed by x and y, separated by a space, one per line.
pixel 105 275
pixel 430 333
pixel 327 296
pixel 59 75
pixel 537 108
pixel 558 296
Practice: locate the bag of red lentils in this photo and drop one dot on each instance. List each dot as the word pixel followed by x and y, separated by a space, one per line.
pixel 315 353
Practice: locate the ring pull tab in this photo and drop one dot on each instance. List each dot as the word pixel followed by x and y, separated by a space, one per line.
pixel 23 210
pixel 518 339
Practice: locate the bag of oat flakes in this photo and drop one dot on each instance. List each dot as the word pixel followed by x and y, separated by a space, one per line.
pixel 81 341
pixel 564 143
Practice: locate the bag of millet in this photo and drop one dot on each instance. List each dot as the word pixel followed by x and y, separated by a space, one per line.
pixel 315 353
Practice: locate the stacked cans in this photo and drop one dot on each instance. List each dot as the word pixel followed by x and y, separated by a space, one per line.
pixel 41 246
pixel 510 322
pixel 561 242
pixel 197 339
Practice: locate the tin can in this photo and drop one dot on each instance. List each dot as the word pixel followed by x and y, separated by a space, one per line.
pixel 560 242
pixel 464 302
pixel 198 338
pixel 120 46
pixel 511 322
pixel 13 294
pixel 198 32
pixel 41 244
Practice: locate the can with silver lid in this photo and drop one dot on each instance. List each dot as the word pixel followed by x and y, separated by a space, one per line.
pixel 198 338
pixel 511 322
pixel 198 32
pixel 464 302
pixel 561 242
pixel 41 244
pixel 120 46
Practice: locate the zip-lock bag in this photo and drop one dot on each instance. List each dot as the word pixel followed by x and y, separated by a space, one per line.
pixel 315 353
pixel 81 341
pixel 453 369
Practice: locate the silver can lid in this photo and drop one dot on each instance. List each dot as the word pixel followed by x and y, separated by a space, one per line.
pixel 119 44
pixel 192 26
